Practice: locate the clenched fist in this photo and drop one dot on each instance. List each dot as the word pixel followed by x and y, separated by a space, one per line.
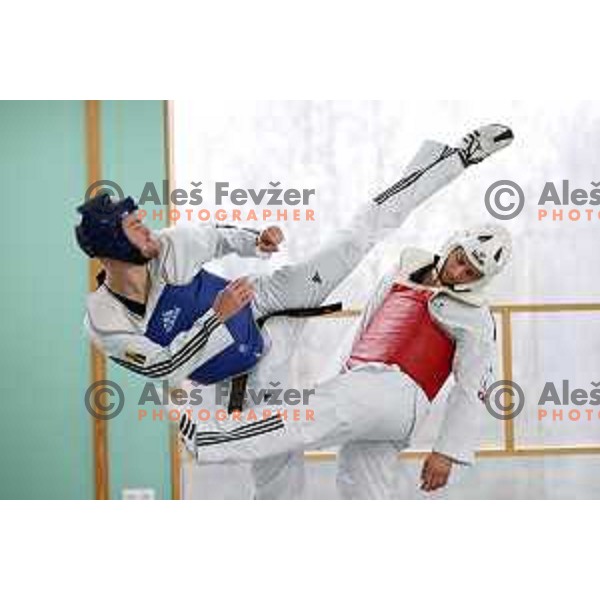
pixel 269 239
pixel 233 298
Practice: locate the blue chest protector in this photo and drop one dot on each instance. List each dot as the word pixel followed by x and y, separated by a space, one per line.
pixel 179 306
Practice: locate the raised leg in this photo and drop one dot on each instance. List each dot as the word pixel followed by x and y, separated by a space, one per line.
pixel 308 283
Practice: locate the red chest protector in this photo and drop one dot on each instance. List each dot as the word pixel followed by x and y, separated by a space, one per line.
pixel 403 333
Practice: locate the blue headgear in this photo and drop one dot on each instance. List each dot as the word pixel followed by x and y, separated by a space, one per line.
pixel 100 233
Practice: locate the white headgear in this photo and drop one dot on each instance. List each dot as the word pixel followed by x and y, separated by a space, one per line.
pixel 488 248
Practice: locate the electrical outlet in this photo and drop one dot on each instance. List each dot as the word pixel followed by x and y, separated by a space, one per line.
pixel 138 494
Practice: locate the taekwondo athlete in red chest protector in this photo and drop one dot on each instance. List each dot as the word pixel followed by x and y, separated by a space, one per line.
pixel 424 322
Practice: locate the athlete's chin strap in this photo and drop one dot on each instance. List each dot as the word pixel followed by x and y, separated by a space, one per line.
pixel 240 382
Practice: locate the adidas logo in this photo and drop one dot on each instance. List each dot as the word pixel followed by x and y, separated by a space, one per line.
pixel 317 278
pixel 169 317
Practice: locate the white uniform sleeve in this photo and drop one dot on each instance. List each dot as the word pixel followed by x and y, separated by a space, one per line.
pixel 242 241
pixel 473 369
pixel 189 350
pixel 186 248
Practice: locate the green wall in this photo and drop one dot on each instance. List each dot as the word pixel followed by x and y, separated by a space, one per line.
pixel 45 431
pixel 133 153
